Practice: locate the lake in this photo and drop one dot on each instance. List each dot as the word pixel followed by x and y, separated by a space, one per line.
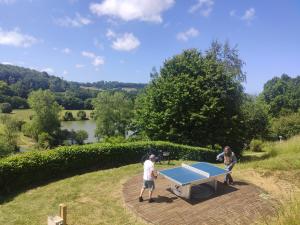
pixel 88 125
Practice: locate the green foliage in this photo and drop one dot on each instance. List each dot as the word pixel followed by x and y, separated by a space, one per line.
pixel 46 113
pixel 282 95
pixel 30 168
pixel 114 140
pixel 283 155
pixel 9 135
pixel 81 115
pixel 92 115
pixel 256 145
pixel 286 126
pixel 5 108
pixel 68 116
pixel 45 141
pixel 255 118
pixel 81 136
pixel 113 113
pixel 195 100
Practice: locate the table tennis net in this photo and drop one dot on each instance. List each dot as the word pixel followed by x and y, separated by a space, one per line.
pixel 195 170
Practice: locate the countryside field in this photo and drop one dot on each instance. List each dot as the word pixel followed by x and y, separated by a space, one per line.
pixel 96 197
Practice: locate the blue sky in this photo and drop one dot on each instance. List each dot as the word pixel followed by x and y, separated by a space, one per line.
pixel 83 40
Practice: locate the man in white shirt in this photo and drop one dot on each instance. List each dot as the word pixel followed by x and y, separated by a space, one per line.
pixel 148 177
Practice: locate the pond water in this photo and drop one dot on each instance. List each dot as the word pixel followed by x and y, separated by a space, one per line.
pixel 88 125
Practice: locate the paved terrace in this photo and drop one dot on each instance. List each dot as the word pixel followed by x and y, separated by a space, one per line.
pixel 242 203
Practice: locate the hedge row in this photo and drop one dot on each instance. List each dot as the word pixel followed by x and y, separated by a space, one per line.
pixel 21 171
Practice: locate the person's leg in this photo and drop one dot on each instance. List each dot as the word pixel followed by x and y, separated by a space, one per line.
pixel 142 191
pixel 151 189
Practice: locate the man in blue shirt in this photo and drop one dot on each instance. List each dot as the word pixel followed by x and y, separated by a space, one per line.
pixel 229 160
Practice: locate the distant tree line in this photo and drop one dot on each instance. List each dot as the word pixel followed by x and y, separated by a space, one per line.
pixel 16 83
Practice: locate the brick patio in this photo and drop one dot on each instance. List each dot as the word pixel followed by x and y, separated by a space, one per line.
pixel 242 203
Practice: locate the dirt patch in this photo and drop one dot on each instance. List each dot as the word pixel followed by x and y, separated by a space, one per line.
pixel 242 203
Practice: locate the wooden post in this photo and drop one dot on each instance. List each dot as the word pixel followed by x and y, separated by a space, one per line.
pixel 63 213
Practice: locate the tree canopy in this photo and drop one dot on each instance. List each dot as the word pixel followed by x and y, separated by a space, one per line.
pixel 282 95
pixel 113 113
pixel 196 99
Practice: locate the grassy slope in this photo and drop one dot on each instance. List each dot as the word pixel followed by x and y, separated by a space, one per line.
pixel 96 198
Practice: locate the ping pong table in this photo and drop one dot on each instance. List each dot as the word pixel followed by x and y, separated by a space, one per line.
pixel 184 177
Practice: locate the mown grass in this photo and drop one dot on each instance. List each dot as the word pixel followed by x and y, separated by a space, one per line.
pixel 92 198
pixel 96 197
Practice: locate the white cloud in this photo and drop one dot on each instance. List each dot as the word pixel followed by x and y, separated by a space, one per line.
pixel 126 42
pixel 144 10
pixel 66 51
pixel 79 66
pixel 90 55
pixel 249 15
pixel 7 63
pixel 98 61
pixel 204 6
pixel 186 35
pixel 77 21
pixel 110 34
pixel 48 70
pixel 16 38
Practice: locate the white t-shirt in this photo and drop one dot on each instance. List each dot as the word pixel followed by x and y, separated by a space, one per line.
pixel 148 169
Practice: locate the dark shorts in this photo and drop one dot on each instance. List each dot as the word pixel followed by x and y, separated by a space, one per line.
pixel 149 184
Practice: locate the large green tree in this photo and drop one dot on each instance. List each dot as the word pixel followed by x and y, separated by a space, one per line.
pixel 282 95
pixel 195 99
pixel 113 113
pixel 46 113
pixel 255 118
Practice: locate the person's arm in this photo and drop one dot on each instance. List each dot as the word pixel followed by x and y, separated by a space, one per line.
pixel 153 174
pixel 220 156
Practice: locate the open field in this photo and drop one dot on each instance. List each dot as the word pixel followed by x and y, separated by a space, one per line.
pixel 96 197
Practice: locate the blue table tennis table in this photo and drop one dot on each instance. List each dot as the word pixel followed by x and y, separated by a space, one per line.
pixel 184 177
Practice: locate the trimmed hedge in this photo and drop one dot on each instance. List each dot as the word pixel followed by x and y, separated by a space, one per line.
pixel 27 169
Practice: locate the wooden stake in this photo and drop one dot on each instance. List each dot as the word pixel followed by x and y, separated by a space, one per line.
pixel 63 213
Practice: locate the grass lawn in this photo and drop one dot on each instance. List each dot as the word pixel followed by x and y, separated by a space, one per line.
pixel 96 197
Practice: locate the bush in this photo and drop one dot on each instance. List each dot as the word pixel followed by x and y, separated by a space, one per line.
pixel 68 116
pixel 45 140
pixel 81 136
pixel 5 108
pixel 256 145
pixel 30 168
pixel 81 115
pixel 286 126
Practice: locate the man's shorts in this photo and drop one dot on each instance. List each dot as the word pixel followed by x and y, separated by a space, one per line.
pixel 149 184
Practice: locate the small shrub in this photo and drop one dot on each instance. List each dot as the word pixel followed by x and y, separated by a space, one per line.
pixel 5 108
pixel 81 136
pixel 256 145
pixel 45 140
